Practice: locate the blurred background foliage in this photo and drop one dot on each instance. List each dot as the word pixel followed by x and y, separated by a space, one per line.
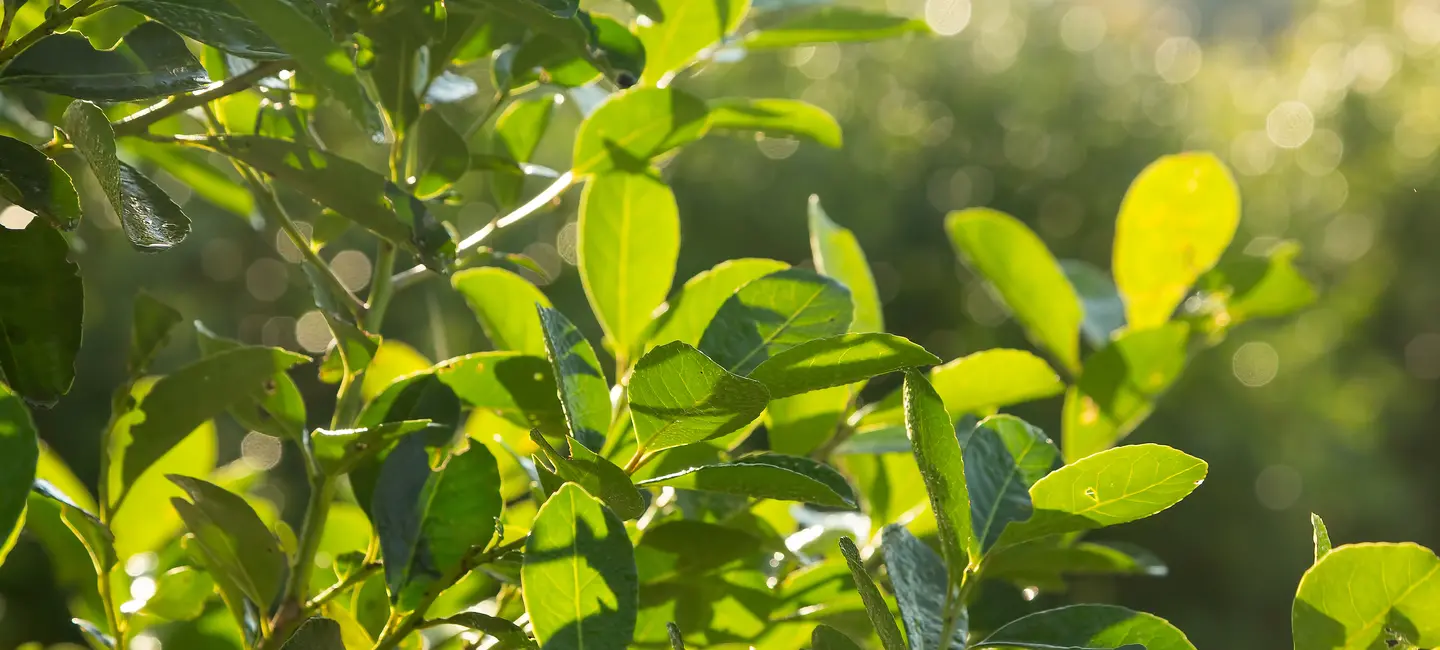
pixel 1046 109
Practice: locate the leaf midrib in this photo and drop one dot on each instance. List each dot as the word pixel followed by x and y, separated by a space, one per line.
pixel 789 320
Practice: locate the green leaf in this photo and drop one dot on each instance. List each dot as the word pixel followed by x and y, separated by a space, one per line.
pixel 1088 626
pixel 1004 457
pixel 1259 286
pixel 942 466
pixel 775 313
pixel 346 187
pixel 278 411
pixel 151 62
pixel 507 635
pixel 977 384
pixel 97 540
pixel 875 605
pixel 151 220
pixel 829 24
pixel 697 546
pixel 233 535
pixel 686 29
pixel 1177 218
pixel 635 126
pixel 104 28
pixel 180 402
pixel 1119 387
pixel 838 361
pixel 579 580
pixel 146 521
pixel 1043 563
pixel 1017 267
pixel 1112 487
pixel 828 638
pixel 686 315
pixel 776 117
pixel 584 393
pixel 678 396
pixel 517 134
pixel 422 396
pixel 766 476
pixel 428 520
pixel 338 451
pixel 677 641
pixel 441 156
pixel 212 22
pixel 837 254
pixel 597 475
pixel 517 387
pixel 150 331
pixel 316 633
pixel 628 242
pixel 1321 536
pixel 180 594
pixel 301 31
pixel 42 304
pixel 33 181
pixel 19 458
pixel 918 576
pixel 1104 309
pixel 802 423
pixel 493 295
pixel 1351 597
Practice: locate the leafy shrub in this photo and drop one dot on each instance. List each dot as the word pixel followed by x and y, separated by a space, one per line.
pixel 516 494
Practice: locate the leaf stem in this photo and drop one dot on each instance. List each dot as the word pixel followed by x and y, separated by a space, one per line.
pixel 413 275
pixel 51 23
pixel 137 123
pixel 382 286
pixel 356 577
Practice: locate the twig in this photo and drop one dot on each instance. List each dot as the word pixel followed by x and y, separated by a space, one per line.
pixel 45 28
pixel 356 577
pixel 397 629
pixel 136 123
pixel 414 274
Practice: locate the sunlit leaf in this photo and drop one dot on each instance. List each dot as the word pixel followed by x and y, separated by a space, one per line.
pixel 517 387
pixel 493 294
pixel 1321 536
pixel 678 396
pixel 686 315
pixel 1352 596
pixel 213 22
pixel 441 156
pixel 838 361
pixel 829 24
pixel 1004 457
pixel 584 392
pixel 19 457
pixel 772 314
pixel 316 633
pixel 875 606
pixel 180 594
pixel 517 133
pixel 976 385
pixel 837 254
pixel 766 476
pixel 597 475
pixel 151 220
pixel 1088 626
pixel 635 126
pixel 1119 387
pixel 775 117
pixel 686 29
pixel 234 536
pixel 942 465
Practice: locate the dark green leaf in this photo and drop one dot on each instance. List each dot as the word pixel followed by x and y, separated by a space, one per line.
pixel 942 466
pixel 428 520
pixel 686 315
pixel 619 52
pixel 150 330
pixel 300 31
pixel 1112 487
pixel 766 476
pixel 597 475
pixel 212 22
pixel 1357 594
pixel 1104 310
pixel 338 451
pixel 829 24
pixel 1004 456
pixel 151 62
pixel 677 641
pixel 493 294
pixel 42 304
pixel 33 181
pixel 278 411
pixel 231 533
pixel 180 402
pixel 976 385
pixel 1119 387
pixel 837 254
pixel 1089 626
pixel 421 396
pixel 635 126
pixel 517 387
pixel 316 633
pixel 776 117
pixel 687 28
pixel 628 243
pixel 584 393
pixel 19 457
pixel 828 638
pixel 579 579
pixel 775 313
pixel 1177 218
pixel 105 27
pixel 875 605
pixel 180 594
pixel 1020 271
pixel 920 582
pixel 678 396
pixel 1321 536
pixel 151 220
pixel 837 361
pixel 441 156
pixel 507 634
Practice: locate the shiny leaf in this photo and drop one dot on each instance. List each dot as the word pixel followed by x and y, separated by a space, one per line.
pixel 837 361
pixel 829 24
pixel 777 118
pixel 212 22
pixel 977 384
pixel 597 475
pixel 918 576
pixel 151 220
pixel 875 606
pixel 942 466
pixel 584 393
pixel 1321 536
pixel 33 181
pixel 152 61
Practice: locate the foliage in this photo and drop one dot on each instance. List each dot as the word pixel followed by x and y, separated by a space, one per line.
pixel 677 504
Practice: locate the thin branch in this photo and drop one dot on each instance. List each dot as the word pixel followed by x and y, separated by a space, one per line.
pixel 46 28
pixel 414 274
pixel 356 577
pixel 136 123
